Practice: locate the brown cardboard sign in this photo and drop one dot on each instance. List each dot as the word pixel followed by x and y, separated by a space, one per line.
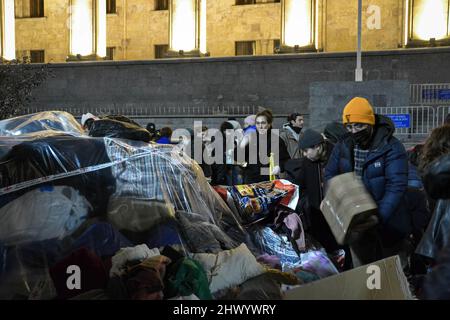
pixel 348 206
pixel 381 280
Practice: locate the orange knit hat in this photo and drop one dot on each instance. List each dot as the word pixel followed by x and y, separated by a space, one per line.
pixel 358 110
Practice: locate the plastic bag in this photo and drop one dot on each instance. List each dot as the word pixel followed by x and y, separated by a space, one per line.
pixel 79 162
pixel 118 129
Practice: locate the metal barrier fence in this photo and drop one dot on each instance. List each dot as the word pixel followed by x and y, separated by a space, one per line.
pixel 421 120
pixel 441 113
pixel 412 121
pixel 151 110
pixel 430 94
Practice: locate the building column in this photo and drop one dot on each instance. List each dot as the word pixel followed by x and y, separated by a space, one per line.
pixel 7 30
pixel 187 28
pixel 298 25
pixel 87 30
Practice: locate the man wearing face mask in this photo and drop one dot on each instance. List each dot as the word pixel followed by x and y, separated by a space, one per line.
pixel 307 173
pixel 375 155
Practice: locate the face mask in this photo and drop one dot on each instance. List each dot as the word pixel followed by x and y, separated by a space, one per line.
pixel 362 137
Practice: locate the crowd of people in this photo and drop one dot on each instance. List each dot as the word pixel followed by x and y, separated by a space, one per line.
pixel 410 187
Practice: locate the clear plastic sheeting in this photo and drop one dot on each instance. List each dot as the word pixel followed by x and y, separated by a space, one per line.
pixel 127 219
pixel 42 121
pixel 77 200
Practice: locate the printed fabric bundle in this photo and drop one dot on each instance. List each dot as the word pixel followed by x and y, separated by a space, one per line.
pixel 254 202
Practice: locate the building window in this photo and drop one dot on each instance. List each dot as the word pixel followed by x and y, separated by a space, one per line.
pixel 161 4
pixel 187 28
pixel 110 53
pixel 111 6
pixel 427 22
pixel 245 48
pixel 276 45
pixel 244 2
pixel 298 25
pixel 37 56
pixel 161 50
pixel 36 8
pixel 87 36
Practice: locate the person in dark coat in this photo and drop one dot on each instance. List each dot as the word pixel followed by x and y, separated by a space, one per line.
pixel 152 129
pixel 258 148
pixel 435 244
pixel 436 177
pixel 307 173
pixel 375 155
pixel 436 284
pixel 221 172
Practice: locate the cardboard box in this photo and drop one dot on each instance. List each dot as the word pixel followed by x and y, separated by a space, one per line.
pixel 387 282
pixel 348 205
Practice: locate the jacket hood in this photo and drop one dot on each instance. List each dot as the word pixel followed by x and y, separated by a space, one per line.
pixel 437 178
pixel 335 132
pixel 383 131
pixel 290 132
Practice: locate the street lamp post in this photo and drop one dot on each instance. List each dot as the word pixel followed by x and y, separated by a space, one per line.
pixel 359 71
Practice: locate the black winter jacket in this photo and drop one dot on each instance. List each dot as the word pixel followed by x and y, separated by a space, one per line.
pixel 437 184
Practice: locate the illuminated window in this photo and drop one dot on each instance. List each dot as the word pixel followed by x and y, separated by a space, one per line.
pixel 36 8
pixel 427 22
pixel 187 28
pixel 37 56
pixel 161 4
pixel 7 30
pixel 298 25
pixel 245 48
pixel 161 50
pixel 87 29
pixel 111 6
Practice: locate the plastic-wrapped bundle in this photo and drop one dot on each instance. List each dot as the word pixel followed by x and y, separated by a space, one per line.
pixel 158 178
pixel 57 159
pixel 59 121
pixel 41 214
pixel 315 262
pixel 153 195
pixel 118 128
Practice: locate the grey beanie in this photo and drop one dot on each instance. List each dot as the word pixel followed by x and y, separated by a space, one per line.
pixel 309 139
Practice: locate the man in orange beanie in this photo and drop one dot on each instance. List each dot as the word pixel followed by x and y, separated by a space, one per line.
pixel 374 154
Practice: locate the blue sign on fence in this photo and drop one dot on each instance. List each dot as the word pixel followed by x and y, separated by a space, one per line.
pixel 400 120
pixel 444 94
pixel 436 94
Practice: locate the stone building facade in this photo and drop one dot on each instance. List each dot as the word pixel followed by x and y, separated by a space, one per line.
pixel 141 29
